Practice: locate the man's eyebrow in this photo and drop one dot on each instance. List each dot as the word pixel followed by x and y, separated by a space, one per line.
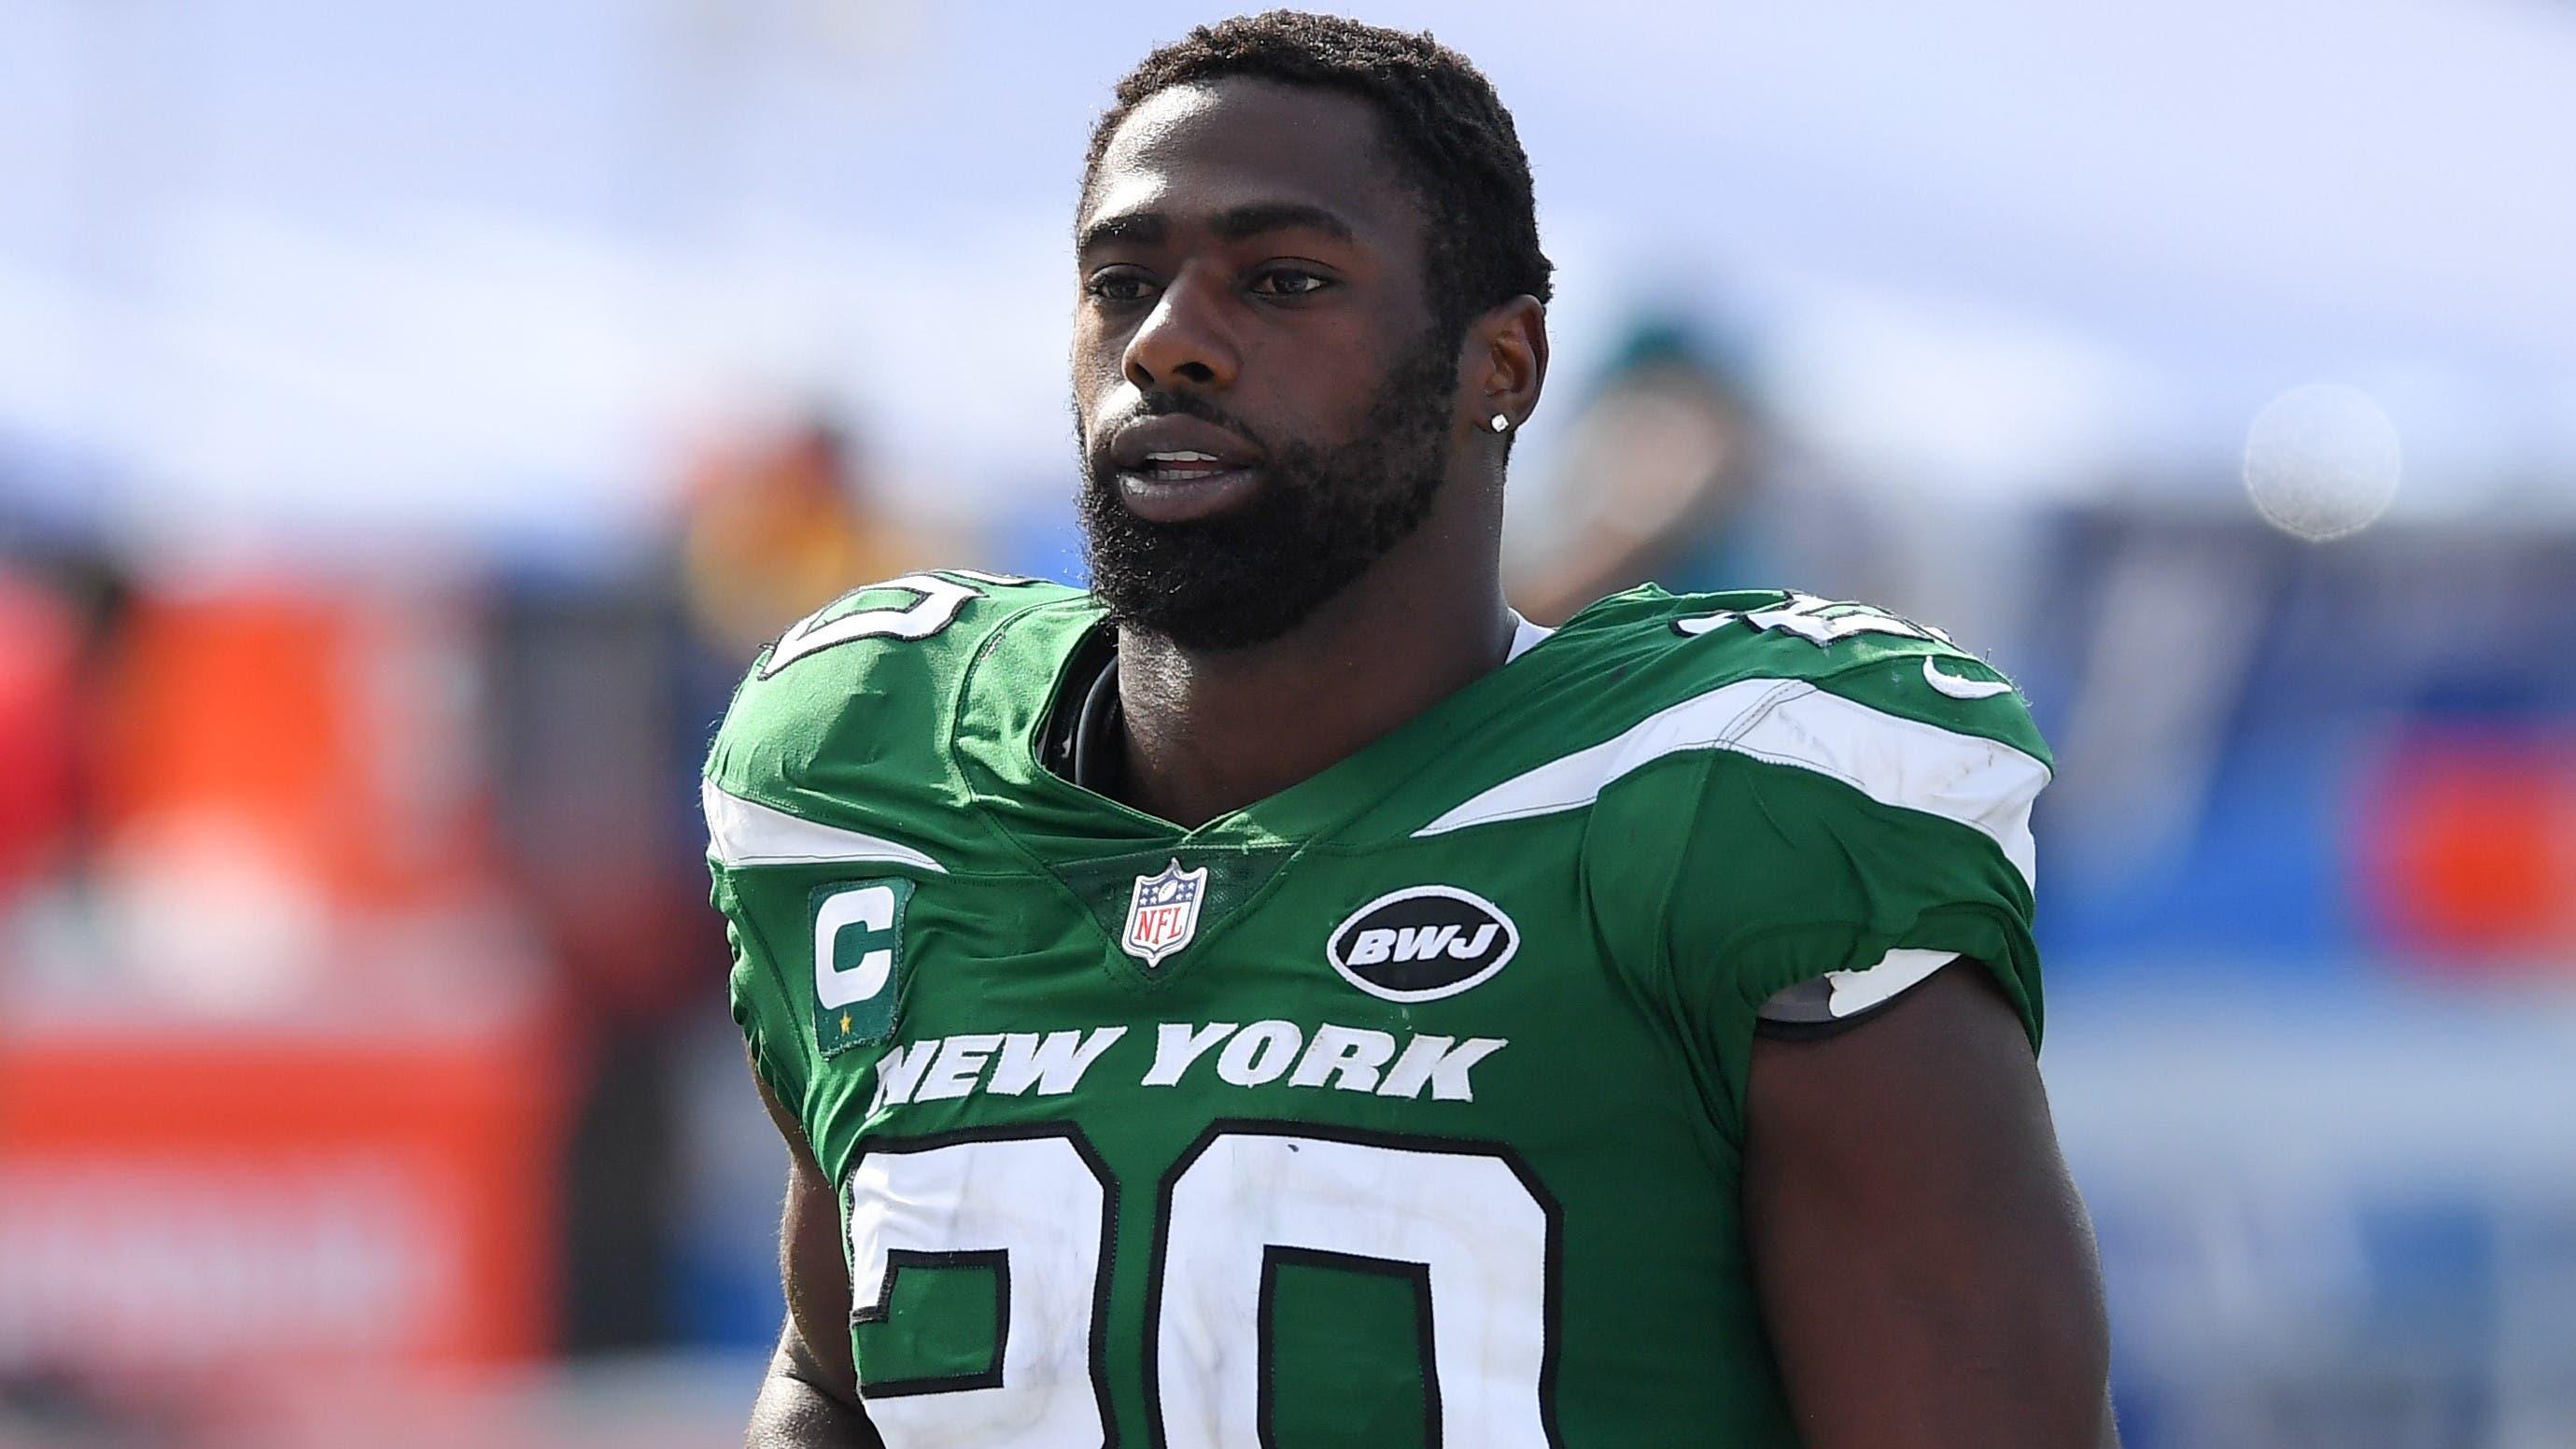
pixel 1148 228
pixel 1137 228
pixel 1257 217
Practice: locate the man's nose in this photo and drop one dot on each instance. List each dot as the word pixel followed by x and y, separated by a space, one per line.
pixel 1184 340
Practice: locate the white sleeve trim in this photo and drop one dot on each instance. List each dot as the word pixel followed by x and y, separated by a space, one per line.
pixel 1896 972
pixel 746 832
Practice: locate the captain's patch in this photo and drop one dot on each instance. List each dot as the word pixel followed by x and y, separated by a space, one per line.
pixel 858 962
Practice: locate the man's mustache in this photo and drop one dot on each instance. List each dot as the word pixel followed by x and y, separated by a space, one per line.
pixel 1166 405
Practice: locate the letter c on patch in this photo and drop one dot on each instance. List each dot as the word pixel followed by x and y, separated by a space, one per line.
pixel 856 927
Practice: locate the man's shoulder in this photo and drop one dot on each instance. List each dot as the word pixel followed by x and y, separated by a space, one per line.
pixel 1694 663
pixel 1780 787
pixel 847 716
pixel 1768 680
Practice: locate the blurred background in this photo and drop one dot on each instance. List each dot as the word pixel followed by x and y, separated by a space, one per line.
pixel 412 418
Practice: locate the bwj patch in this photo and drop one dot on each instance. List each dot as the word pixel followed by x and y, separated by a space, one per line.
pixel 1163 914
pixel 858 962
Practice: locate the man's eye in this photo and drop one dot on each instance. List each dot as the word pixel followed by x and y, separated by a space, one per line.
pixel 1117 287
pixel 1289 282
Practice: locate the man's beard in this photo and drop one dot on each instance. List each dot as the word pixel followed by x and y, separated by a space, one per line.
pixel 1321 516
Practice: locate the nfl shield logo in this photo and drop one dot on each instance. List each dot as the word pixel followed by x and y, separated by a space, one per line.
pixel 1164 913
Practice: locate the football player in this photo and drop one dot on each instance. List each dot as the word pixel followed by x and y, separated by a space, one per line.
pixel 1279 998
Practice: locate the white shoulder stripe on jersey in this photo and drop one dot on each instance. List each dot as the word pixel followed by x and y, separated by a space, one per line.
pixel 746 832
pixel 1896 761
pixel 1896 972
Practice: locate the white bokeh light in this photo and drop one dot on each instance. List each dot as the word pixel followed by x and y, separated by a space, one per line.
pixel 2321 461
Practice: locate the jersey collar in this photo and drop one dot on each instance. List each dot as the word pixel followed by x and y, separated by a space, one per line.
pixel 1011 692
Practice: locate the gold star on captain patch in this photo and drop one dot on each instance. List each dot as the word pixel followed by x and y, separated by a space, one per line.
pixel 845 1023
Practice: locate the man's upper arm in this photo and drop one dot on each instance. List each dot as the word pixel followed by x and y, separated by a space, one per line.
pixel 1926 1268
pixel 814 1349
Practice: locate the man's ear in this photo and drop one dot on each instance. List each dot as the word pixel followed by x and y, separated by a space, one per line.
pixel 1503 365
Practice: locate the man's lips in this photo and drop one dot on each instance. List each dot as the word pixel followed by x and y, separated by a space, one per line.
pixel 1180 466
pixel 1173 468
pixel 1170 492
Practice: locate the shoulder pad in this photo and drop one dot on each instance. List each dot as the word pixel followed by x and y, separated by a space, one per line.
pixel 1781 680
pixel 1686 645
pixel 844 720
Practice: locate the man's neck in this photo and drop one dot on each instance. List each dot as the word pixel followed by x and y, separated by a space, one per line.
pixel 1213 731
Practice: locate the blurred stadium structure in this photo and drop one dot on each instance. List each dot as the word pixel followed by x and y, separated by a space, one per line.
pixel 409 417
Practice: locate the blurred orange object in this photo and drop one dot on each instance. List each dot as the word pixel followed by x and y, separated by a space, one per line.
pixel 2468 847
pixel 779 525
pixel 335 730
pixel 254 1203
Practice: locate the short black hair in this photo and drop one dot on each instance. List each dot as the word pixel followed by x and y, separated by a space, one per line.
pixel 1453 144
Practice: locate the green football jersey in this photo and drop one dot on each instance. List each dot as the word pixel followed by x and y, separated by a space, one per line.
pixel 1402 1107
